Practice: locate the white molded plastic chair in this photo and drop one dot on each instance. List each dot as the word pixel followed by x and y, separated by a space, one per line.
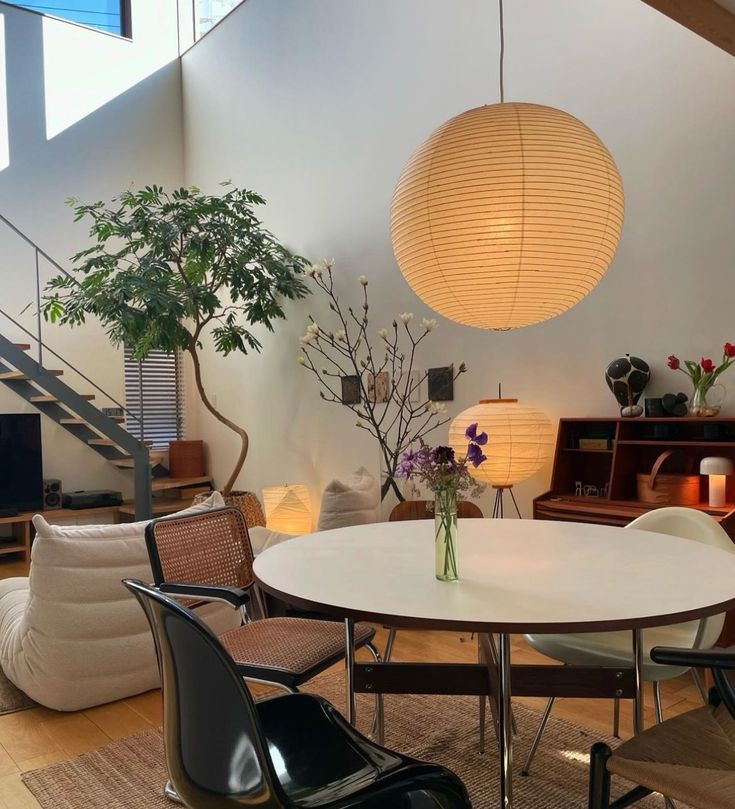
pixel 615 648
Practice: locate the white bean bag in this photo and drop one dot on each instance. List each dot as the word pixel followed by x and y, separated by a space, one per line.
pixel 353 502
pixel 71 636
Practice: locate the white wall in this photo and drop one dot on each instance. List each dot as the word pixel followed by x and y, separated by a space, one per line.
pixel 318 106
pixel 89 115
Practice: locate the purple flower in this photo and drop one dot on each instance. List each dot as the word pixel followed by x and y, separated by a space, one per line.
pixel 471 435
pixel 443 456
pixel 475 455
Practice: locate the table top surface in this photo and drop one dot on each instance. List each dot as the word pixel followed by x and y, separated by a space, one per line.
pixel 515 576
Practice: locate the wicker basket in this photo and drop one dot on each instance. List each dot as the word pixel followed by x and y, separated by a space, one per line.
pixel 667 489
pixel 247 502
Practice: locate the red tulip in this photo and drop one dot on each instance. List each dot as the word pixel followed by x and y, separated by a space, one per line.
pixel 729 350
pixel 707 365
pixel 673 362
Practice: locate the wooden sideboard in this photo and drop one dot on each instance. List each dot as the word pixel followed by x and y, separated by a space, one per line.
pixel 623 448
pixel 20 526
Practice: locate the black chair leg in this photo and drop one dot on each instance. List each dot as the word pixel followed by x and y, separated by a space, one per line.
pixel 599 777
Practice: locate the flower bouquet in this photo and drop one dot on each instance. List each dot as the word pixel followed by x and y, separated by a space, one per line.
pixel 704 375
pixel 446 476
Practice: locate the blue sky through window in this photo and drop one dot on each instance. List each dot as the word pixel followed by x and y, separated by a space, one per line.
pixel 102 14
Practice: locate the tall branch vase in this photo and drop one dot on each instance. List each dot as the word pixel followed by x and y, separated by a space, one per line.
pixel 445 535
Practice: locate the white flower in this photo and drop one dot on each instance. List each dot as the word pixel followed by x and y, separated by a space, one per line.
pixel 300 359
pixel 312 329
pixel 306 339
pixel 436 408
pixel 429 325
pixel 406 318
pixel 317 270
pixel 363 280
pixel 340 334
pixel 383 334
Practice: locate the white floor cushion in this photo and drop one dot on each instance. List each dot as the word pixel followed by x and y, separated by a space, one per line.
pixel 71 636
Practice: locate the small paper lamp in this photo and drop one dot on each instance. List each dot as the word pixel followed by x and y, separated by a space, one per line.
pixel 520 441
pixel 507 215
pixel 717 469
pixel 288 508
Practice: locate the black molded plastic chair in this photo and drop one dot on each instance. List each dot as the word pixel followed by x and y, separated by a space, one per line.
pixel 690 757
pixel 287 752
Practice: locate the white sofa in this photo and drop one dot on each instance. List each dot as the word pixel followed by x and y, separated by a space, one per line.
pixel 71 636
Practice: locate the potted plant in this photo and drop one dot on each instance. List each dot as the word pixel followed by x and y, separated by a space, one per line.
pixel 168 271
pixel 704 375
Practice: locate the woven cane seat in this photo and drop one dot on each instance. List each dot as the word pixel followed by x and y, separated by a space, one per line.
pixel 289 650
pixel 690 758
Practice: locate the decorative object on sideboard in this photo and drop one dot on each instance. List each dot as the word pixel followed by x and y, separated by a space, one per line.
pixel 446 473
pixel 717 469
pixel 667 489
pixel 520 441
pixel 347 349
pixel 186 459
pixel 674 405
pixel 288 509
pixel 91 498
pixel 507 215
pixel 704 375
pixel 52 494
pixel 627 378
pixel 653 407
pixel 221 276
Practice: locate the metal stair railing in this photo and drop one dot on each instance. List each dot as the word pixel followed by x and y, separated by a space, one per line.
pixel 35 371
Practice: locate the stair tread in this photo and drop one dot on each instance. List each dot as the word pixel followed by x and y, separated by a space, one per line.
pixel 23 346
pixel 19 375
pixel 108 442
pixel 117 419
pixel 48 398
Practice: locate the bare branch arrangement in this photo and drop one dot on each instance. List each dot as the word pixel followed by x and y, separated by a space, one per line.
pixel 402 417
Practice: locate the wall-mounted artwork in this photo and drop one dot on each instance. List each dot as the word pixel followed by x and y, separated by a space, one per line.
pixel 350 390
pixel 377 387
pixel 441 384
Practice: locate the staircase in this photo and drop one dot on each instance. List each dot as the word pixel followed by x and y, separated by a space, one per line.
pixel 74 412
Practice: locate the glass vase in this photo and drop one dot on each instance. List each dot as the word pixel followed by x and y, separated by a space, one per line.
pixel 445 535
pixel 706 400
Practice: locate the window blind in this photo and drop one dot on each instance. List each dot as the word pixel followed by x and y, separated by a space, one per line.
pixel 154 396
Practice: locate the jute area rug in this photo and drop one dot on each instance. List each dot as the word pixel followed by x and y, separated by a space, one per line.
pixel 130 773
pixel 12 699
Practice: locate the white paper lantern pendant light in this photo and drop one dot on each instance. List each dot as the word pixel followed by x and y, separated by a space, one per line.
pixel 507 215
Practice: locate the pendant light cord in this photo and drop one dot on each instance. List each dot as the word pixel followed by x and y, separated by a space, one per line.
pixel 502 50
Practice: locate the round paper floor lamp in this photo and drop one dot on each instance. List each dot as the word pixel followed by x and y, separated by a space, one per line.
pixel 509 214
pixel 520 441
pixel 288 508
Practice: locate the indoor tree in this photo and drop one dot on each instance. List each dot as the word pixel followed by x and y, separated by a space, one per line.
pixel 167 270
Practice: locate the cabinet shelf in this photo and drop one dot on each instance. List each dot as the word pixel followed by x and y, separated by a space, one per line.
pixel 615 471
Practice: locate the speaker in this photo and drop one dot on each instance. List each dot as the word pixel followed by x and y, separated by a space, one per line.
pixel 51 494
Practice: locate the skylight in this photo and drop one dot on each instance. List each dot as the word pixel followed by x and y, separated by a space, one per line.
pixel 106 15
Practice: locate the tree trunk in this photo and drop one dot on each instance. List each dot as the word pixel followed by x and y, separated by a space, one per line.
pixel 223 419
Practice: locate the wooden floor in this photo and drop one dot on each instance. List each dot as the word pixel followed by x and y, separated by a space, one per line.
pixel 39 737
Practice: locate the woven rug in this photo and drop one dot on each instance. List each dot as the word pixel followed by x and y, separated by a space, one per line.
pixel 11 698
pixel 129 774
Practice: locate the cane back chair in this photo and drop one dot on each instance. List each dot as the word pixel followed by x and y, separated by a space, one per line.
pixel 224 751
pixel 209 557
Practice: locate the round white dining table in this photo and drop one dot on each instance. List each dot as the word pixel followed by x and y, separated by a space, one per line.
pixel 516 576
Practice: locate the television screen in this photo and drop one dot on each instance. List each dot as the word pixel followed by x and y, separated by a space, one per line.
pixel 21 469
